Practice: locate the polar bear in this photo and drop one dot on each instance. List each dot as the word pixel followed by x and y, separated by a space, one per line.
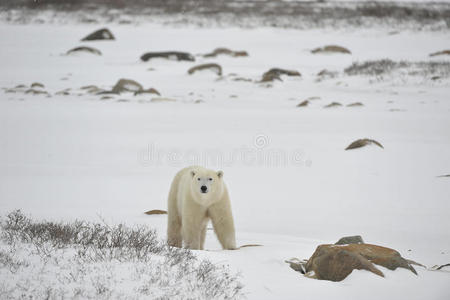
pixel 197 195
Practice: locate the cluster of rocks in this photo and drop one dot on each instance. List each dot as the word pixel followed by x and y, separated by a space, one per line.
pixel 36 88
pixel 308 101
pixel 101 34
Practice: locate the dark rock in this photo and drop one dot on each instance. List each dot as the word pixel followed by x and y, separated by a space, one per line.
pixel 101 34
pixel 363 142
pixel 302 104
pixel 336 262
pixel 147 91
pixel 84 49
pixel 355 239
pixel 331 49
pixel 333 104
pixel 176 55
pixel 275 74
pixel 437 268
pixel 214 67
pixel 226 51
pixel 36 92
pixel 355 104
pixel 37 85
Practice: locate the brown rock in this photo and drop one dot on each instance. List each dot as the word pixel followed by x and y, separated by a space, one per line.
pixel 355 104
pixel 303 104
pixel 333 104
pixel 443 52
pixel 214 67
pixel 363 142
pixel 336 262
pixel 156 212
pixel 37 85
pixel 226 51
pixel 126 85
pixel 275 73
pixel 35 92
pixel 331 49
pixel 147 91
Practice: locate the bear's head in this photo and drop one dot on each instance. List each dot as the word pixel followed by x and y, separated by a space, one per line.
pixel 206 186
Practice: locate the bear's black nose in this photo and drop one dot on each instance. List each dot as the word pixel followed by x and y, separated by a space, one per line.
pixel 203 188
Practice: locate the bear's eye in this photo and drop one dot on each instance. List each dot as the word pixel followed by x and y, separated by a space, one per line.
pixel 210 179
pixel 198 179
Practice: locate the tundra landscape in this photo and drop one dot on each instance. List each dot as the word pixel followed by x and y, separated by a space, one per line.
pixel 329 119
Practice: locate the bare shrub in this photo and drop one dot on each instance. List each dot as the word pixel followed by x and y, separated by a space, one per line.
pixel 92 260
pixel 387 66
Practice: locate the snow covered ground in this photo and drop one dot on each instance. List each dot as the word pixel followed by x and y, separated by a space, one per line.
pixel 292 185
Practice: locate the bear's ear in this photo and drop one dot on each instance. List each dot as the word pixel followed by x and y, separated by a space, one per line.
pixel 220 174
pixel 192 174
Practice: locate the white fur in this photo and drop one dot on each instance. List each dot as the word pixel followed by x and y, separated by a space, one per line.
pixel 189 210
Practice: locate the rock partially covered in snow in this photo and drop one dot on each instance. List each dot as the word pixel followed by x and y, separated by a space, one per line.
pixel 123 85
pixel 37 85
pixel 275 74
pixel 173 55
pixel 336 262
pixel 333 104
pixel 213 67
pixel 355 104
pixel 355 239
pixel 226 51
pixel 84 49
pixel 330 49
pixel 126 85
pixel 147 91
pixel 101 34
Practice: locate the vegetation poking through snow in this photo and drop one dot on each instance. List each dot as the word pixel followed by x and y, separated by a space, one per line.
pixel 387 66
pixel 44 259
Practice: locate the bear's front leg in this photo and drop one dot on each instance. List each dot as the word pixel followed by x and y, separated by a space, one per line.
pixel 222 220
pixel 191 232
